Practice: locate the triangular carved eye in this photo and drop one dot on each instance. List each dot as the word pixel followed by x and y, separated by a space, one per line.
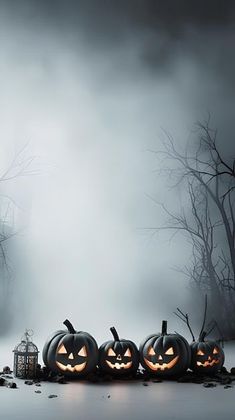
pixel 170 352
pixel 83 352
pixel 200 353
pixel 111 352
pixel 62 349
pixel 151 352
pixel 127 353
pixel 215 351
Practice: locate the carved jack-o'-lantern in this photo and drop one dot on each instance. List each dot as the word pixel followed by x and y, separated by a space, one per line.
pixel 207 356
pixel 165 354
pixel 72 353
pixel 118 357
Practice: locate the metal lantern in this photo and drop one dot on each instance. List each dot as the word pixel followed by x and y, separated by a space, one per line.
pixel 25 357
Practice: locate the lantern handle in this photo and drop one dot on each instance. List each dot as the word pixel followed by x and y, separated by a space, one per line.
pixel 28 333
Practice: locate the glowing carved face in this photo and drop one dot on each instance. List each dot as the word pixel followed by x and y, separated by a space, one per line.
pixel 119 360
pixel 205 360
pixel 71 360
pixel 165 354
pixel 207 356
pixel 161 361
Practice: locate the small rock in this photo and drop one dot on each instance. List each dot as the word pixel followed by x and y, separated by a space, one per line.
pixel 2 381
pixel 108 396
pixel 37 384
pixel 38 391
pixel 52 396
pixel 226 380
pixel 28 382
pixel 12 385
pixel 6 369
pixel 232 371
pixel 145 384
pixel 228 386
pixel 209 385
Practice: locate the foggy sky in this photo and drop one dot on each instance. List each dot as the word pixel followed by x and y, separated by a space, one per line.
pixel 89 86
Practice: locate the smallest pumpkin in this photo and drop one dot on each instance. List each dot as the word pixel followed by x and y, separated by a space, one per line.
pixel 118 357
pixel 207 356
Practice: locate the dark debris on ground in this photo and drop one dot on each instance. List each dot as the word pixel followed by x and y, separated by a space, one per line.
pixel 224 378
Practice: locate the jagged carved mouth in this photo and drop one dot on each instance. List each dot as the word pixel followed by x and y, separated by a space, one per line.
pixel 163 366
pixel 69 368
pixel 119 365
pixel 207 363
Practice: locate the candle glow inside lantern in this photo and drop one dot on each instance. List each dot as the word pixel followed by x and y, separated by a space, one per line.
pixel 25 357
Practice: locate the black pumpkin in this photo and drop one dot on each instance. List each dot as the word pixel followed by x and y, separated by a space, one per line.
pixel 207 356
pixel 118 357
pixel 72 353
pixel 165 354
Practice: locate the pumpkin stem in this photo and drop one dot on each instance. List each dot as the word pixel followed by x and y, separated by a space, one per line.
pixel 202 336
pixel 164 327
pixel 68 324
pixel 115 334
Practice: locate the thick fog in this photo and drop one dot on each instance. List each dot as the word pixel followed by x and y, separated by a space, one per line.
pixel 87 94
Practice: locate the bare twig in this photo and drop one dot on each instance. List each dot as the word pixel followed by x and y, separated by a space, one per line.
pixel 184 318
pixel 204 318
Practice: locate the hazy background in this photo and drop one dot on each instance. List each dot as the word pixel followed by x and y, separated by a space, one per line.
pixel 88 86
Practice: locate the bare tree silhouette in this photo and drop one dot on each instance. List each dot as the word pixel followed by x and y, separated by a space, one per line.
pixel 209 226
pixel 20 165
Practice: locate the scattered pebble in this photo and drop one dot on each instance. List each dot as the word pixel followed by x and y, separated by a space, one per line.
pixel 28 382
pixel 2 381
pixel 209 385
pixel 11 385
pixel 108 396
pixel 38 392
pixel 6 369
pixel 52 396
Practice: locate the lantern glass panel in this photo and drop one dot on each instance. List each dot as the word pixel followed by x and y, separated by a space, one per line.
pixel 25 358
